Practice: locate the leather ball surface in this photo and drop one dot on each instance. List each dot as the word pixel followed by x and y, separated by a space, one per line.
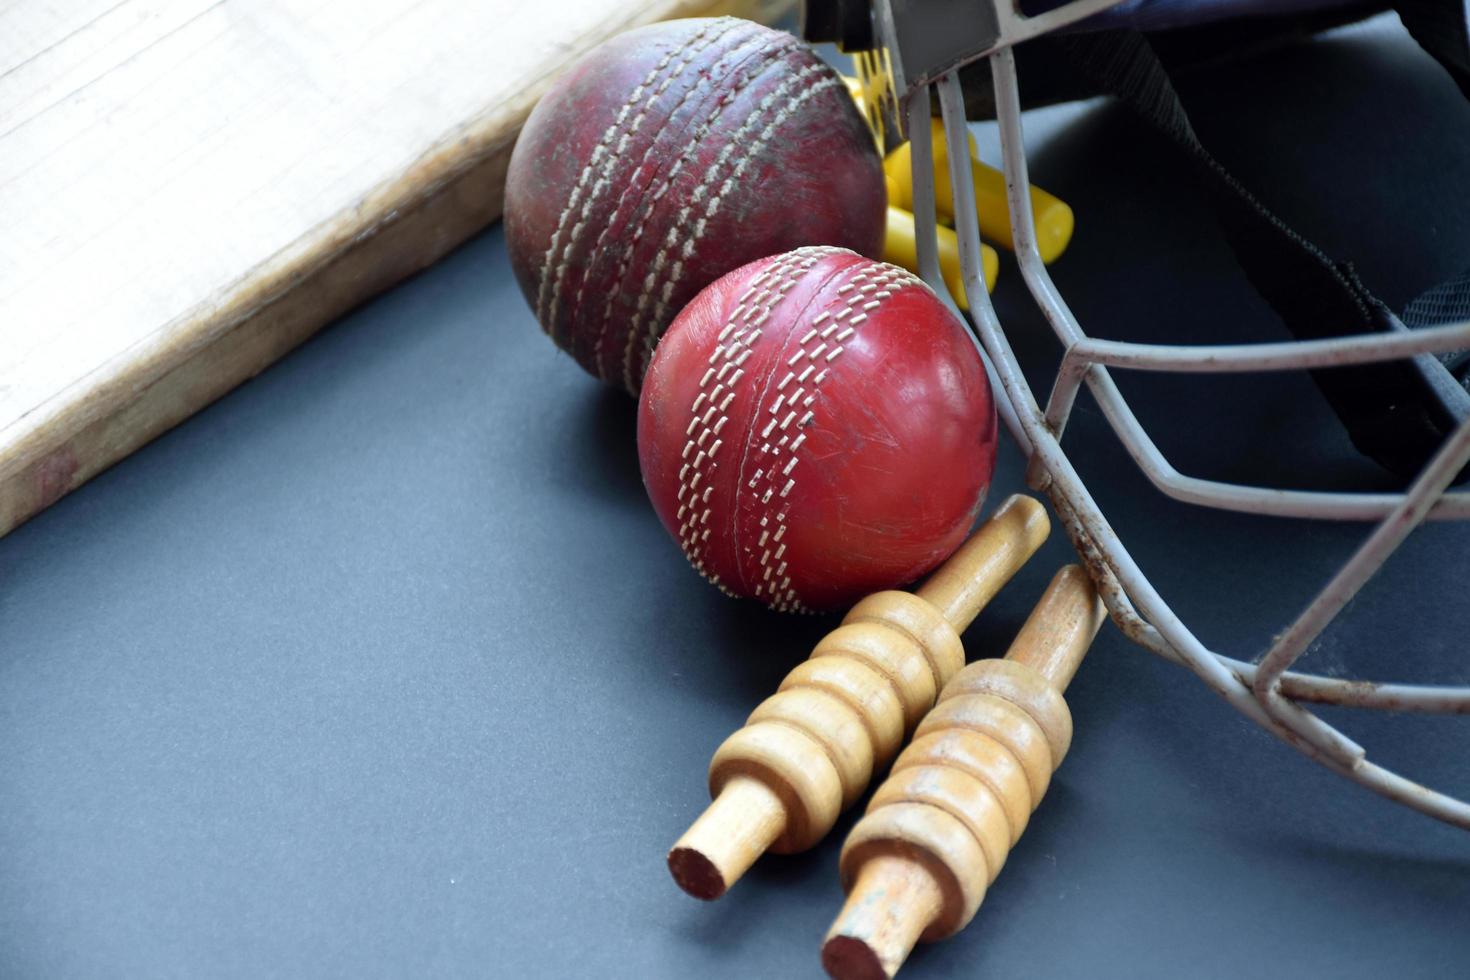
pixel 816 427
pixel 665 158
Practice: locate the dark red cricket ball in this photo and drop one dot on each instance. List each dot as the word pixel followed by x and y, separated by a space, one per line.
pixel 665 158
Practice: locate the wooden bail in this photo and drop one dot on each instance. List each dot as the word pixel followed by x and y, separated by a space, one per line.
pixel 1056 635
pixel 809 751
pixel 940 827
pixel 972 576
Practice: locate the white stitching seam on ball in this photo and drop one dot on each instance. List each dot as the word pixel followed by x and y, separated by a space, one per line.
pixel 711 176
pixel 631 247
pixel 709 412
pixel 792 410
pixel 552 269
pixel 737 332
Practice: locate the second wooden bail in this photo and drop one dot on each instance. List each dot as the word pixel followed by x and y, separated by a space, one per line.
pixel 940 827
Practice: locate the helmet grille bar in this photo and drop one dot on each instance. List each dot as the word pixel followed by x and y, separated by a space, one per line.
pixel 1268 692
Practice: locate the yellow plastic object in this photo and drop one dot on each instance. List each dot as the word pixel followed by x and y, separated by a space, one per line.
pixel 901 248
pixel 858 89
pixel 1054 220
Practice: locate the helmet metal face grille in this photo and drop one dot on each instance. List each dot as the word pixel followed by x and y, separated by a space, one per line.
pixel 1267 691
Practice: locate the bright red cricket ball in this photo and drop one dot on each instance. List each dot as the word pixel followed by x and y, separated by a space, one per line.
pixel 815 427
pixel 665 158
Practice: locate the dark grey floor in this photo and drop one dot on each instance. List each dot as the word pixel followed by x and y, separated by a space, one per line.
pixel 383 666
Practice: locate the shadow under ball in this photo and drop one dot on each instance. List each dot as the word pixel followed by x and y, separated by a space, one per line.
pixel 816 427
pixel 667 157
